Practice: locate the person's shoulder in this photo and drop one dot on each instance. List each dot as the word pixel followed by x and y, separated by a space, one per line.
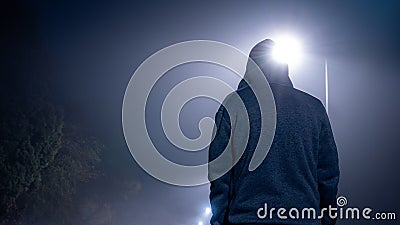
pixel 239 100
pixel 233 97
pixel 240 92
pixel 243 89
pixel 313 103
pixel 302 96
pixel 308 97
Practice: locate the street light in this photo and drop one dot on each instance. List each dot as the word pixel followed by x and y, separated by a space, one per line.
pixel 207 211
pixel 287 50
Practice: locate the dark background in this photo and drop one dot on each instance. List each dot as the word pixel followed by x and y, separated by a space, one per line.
pixel 81 55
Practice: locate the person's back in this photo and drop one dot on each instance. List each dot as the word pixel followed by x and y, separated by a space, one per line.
pixel 300 170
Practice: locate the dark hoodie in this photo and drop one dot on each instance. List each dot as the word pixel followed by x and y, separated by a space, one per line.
pixel 301 169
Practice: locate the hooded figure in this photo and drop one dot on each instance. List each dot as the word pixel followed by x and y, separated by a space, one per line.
pixel 301 169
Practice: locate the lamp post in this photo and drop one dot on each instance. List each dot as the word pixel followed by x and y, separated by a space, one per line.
pixel 326 86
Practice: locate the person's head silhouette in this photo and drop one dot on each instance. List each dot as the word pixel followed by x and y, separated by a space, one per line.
pixel 275 72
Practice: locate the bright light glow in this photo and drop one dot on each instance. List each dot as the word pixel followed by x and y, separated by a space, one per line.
pixel 200 223
pixel 287 50
pixel 207 211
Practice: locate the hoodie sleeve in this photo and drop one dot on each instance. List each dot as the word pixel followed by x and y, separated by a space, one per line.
pixel 219 189
pixel 328 169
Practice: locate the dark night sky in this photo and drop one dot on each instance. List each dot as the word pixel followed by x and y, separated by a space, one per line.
pixel 95 46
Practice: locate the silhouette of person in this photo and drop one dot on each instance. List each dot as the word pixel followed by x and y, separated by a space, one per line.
pixel 301 168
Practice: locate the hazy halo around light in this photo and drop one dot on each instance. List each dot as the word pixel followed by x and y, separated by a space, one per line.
pixel 287 49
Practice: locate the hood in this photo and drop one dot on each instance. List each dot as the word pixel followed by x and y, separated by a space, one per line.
pixel 275 73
